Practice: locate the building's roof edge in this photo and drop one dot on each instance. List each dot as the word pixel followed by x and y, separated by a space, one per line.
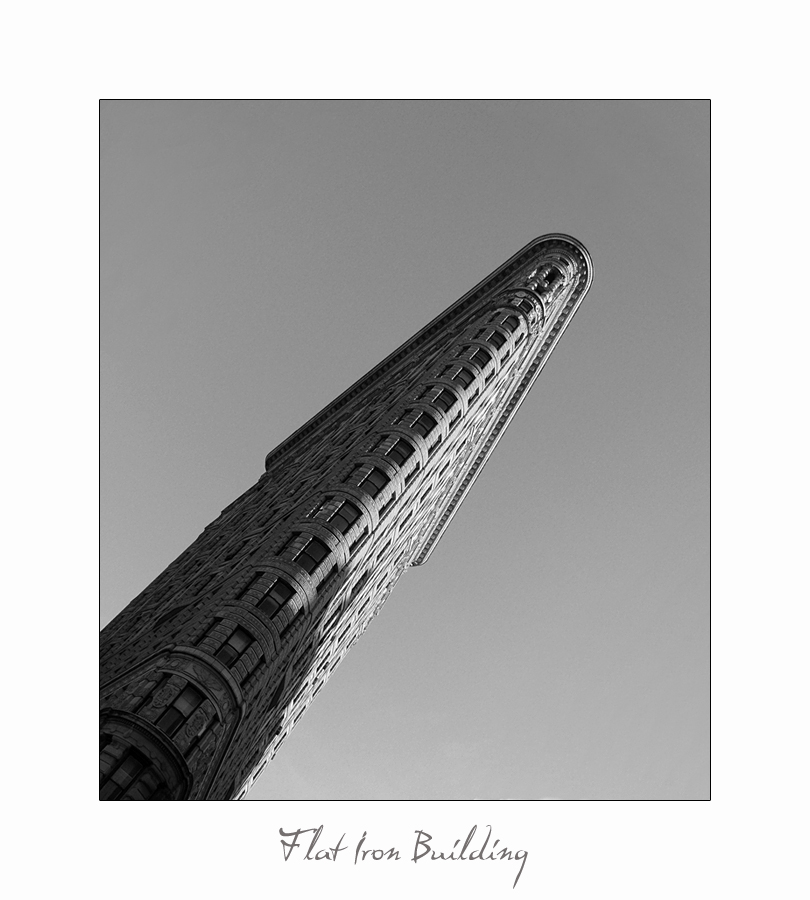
pixel 513 262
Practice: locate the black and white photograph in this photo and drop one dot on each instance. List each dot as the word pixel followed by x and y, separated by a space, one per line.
pixel 410 403
pixel 364 537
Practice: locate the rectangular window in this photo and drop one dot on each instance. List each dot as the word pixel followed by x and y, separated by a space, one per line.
pixel 511 322
pixel 276 597
pixel 445 400
pixel 481 356
pixel 182 707
pixel 464 377
pixel 312 555
pixel 424 425
pixel 411 475
pixel 400 452
pixel 374 482
pixel 234 648
pixel 344 516
pixel 497 339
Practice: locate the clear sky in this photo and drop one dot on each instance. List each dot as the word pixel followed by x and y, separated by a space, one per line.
pixel 259 257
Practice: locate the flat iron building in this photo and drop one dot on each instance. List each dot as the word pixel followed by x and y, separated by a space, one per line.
pixel 207 671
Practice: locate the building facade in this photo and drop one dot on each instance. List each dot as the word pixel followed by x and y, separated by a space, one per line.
pixel 207 671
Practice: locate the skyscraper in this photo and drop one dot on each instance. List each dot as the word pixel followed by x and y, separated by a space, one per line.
pixel 207 671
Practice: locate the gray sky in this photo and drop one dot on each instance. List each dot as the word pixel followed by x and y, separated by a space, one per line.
pixel 257 258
